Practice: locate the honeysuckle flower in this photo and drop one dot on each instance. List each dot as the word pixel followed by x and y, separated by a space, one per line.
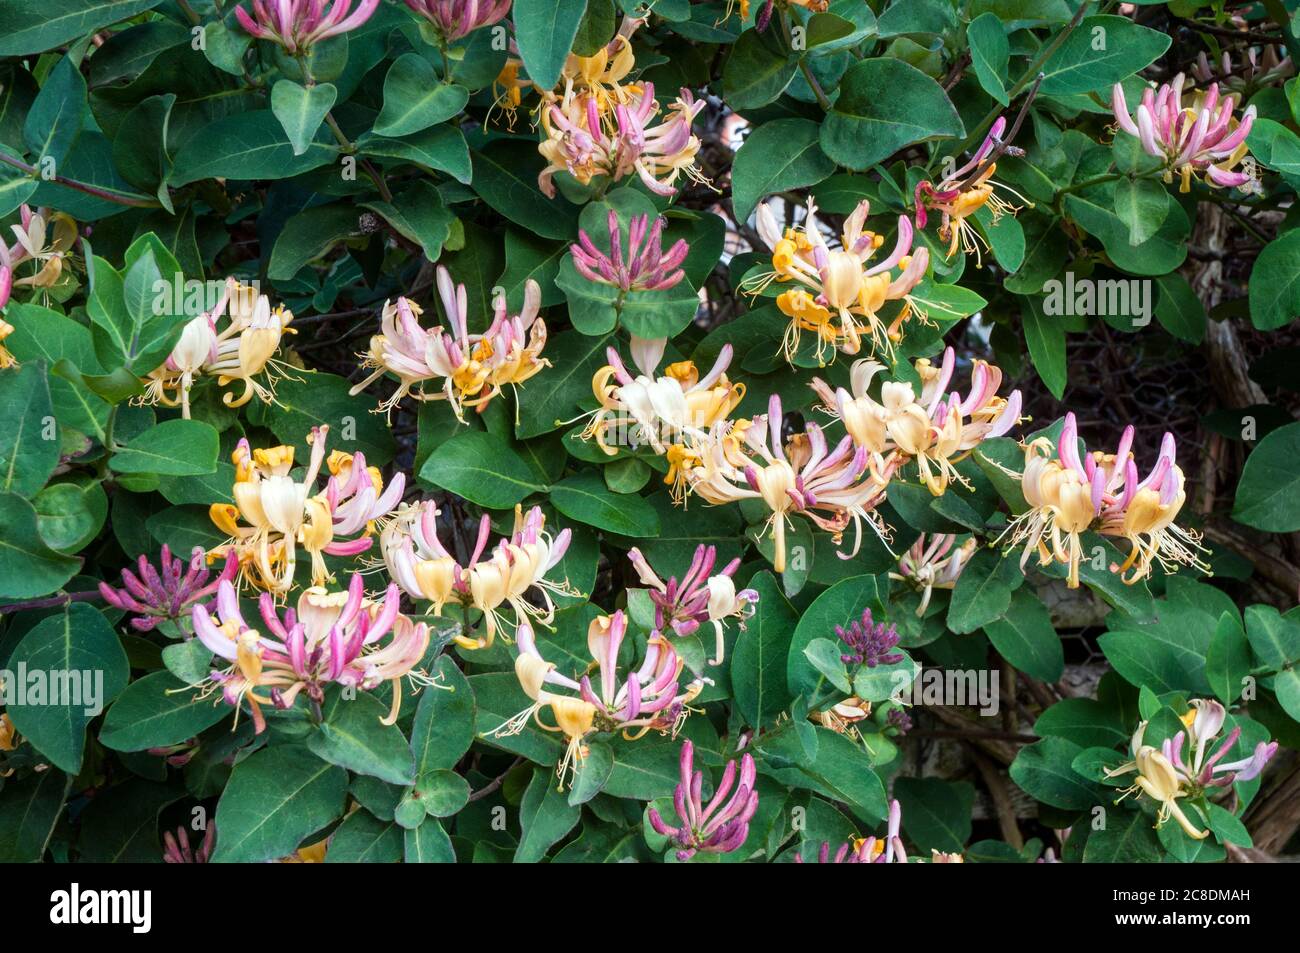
pixel 332 638
pixel 830 486
pixel 154 596
pixel 870 850
pixel 43 237
pixel 283 513
pixel 674 410
pixel 933 563
pixel 177 850
pixel 8 733
pixel 722 825
pixel 297 25
pixel 457 19
pixel 1199 138
pixel 967 190
pixel 472 368
pixel 701 596
pixel 425 569
pixel 588 139
pixel 645 267
pixel 840 284
pixel 647 699
pixel 842 717
pixel 241 351
pixel 869 642
pixel 1071 493
pixel 601 75
pixel 943 857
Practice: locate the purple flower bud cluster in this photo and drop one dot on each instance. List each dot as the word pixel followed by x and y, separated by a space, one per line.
pixel 171 593
pixel 869 642
pixel 718 828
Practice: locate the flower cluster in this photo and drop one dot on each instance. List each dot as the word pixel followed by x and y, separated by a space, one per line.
pixel 621 141
pixel 332 638
pixel 803 476
pixel 457 19
pixel 644 268
pixel 283 513
pixel 701 596
pixel 425 569
pixel 937 429
pixel 177 850
pixel 671 413
pixel 650 698
pixel 240 351
pixel 472 368
pixel 1202 138
pixel 1165 777
pixel 967 190
pixel 722 825
pixel 840 293
pixel 933 563
pixel 869 643
pixel 297 25
pixel 1070 492
pixel 171 594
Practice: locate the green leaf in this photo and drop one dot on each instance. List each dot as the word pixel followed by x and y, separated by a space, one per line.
pixel 1227 663
pixel 1024 636
pixel 246 145
pixel 415 98
pixel 983 592
pixel 1268 496
pixel 1179 309
pixel 70 516
pixel 545 817
pixel 308 236
pixel 592 773
pixel 444 720
pixel 28 567
pixel 1274 638
pixel 585 498
pixel 442 793
pixel 758 661
pixel 81 668
pixel 758 70
pixel 441 148
pixel 364 839
pixel 1142 205
pixel 171 448
pixel 55 118
pixel 120 826
pixel 130 330
pixel 841 770
pixel 428 844
pixel 29 440
pixel 276 798
pixel 159 710
pixel 1127 838
pixel 1142 660
pixel 827 657
pixel 1100 52
pixel 482 468
pixel 29 810
pixel 1084 721
pixel 1046 341
pixel 1044 771
pixel 778 156
pixel 865 127
pixel 1275 283
pixel 34 29
pixel 353 736
pixel 301 110
pixel 418 214
pixel 936 814
pixel 989 52
pixel 505 177
pixel 545 30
